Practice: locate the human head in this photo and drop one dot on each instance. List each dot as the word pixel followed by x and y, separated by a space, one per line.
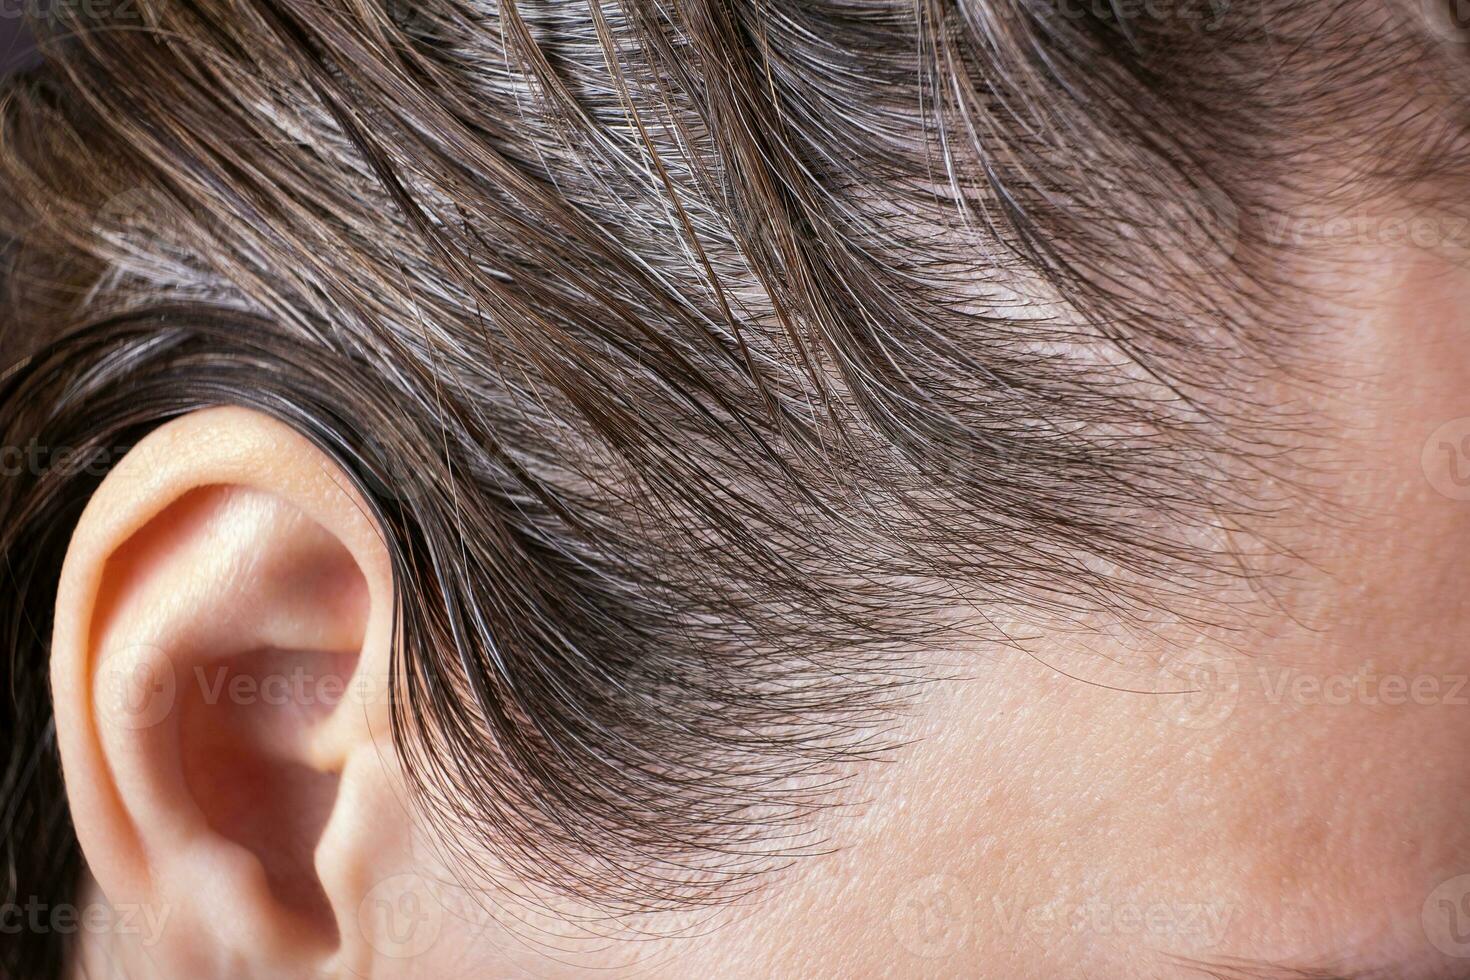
pixel 725 434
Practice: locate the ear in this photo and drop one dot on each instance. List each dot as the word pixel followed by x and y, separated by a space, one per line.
pixel 220 672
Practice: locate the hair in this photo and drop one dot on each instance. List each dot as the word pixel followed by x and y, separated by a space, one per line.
pixel 699 359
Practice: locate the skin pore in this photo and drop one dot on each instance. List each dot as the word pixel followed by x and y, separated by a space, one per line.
pixel 1295 808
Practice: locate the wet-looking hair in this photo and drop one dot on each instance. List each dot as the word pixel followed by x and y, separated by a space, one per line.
pixel 702 360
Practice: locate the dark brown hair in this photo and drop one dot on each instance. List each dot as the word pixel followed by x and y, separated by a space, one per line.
pixel 700 358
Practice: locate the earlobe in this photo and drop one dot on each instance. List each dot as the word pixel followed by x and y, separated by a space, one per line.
pixel 220 659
